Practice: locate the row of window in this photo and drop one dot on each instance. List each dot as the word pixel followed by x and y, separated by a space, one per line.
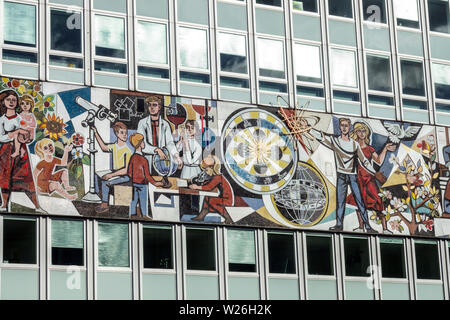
pixel 67 241
pixel 152 54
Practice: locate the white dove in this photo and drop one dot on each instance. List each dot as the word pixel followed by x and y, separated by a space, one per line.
pixel 397 133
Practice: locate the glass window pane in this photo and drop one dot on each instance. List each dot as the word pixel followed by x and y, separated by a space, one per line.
pixel 193 48
pixel 441 78
pixel 158 248
pixel 305 5
pixel 241 251
pixel 340 8
pixel 113 245
pixel 19 241
pixel 270 58
pixel 281 253
pixel 357 258
pixel 392 258
pixel 109 36
pixel 200 250
pixel 379 73
pixel 64 35
pixel 67 243
pixel 276 3
pixel 427 260
pixel 343 68
pixel 233 53
pixel 439 14
pixel 307 63
pixel 151 42
pixel 412 78
pixel 320 255
pixel 374 10
pixel 406 12
pixel 19 24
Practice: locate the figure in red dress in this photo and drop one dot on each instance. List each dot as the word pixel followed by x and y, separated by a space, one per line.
pixel 215 180
pixel 368 182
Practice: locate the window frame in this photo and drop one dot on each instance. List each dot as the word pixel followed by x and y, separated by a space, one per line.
pixel 419 29
pixel 404 96
pixel 369 91
pixel 433 83
pixel 309 13
pixel 414 259
pixel 189 272
pixel 432 32
pixel 352 19
pixel 293 234
pixel 143 226
pixel 269 6
pixel 373 24
pixel 228 272
pixel 370 253
pixel 333 254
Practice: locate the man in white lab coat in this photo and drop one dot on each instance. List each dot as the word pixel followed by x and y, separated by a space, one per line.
pixel 157 133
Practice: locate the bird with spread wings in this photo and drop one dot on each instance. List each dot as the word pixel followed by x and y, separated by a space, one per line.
pixel 398 133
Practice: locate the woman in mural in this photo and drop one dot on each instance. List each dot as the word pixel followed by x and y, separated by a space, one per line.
pixel 367 181
pixel 47 180
pixel 15 172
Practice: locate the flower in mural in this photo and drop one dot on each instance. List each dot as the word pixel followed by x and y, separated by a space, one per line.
pixel 77 153
pixel 396 225
pixel 398 204
pixel 53 127
pixel 45 103
pixel 77 139
pixel 18 85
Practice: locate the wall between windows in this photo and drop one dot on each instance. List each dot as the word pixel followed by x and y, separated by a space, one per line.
pixel 93 152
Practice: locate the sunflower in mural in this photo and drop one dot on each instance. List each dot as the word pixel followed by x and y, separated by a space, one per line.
pixel 53 127
pixel 44 104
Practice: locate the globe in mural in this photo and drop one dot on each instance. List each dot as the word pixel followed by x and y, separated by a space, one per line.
pixel 303 202
pixel 166 167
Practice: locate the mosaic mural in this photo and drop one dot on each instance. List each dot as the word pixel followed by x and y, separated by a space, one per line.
pixel 77 151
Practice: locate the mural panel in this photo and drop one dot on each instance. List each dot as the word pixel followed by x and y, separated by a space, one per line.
pixel 77 151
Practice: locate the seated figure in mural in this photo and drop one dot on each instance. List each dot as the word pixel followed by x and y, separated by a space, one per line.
pixel 446 152
pixel 347 153
pixel 139 174
pixel 210 179
pixel 157 133
pixel 27 122
pixel 47 179
pixel 15 173
pixel 121 155
pixel 192 154
pixel 367 181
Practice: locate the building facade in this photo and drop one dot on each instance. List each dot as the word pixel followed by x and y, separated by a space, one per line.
pixel 225 149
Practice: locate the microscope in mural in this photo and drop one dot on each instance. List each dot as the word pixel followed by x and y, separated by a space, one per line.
pixel 94 112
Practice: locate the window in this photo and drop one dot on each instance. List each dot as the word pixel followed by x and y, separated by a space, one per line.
pixel 343 68
pixel 379 73
pixel 427 260
pixel 113 245
pixel 276 3
pixel 307 63
pixel 392 254
pixel 281 249
pixel 19 241
pixel 441 78
pixel 374 10
pixel 200 249
pixel 439 14
pixel 19 24
pixel 413 82
pixel 233 53
pixel 407 13
pixel 340 8
pixel 67 243
pixel 241 251
pixel 271 58
pixel 357 259
pixel 320 255
pixel 62 37
pixel 305 5
pixel 158 253
pixel 109 36
pixel 151 40
pixel 193 48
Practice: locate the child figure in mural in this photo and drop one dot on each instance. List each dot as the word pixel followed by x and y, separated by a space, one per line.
pixel 27 122
pixel 348 154
pixel 210 179
pixel 49 181
pixel 121 155
pixel 367 181
pixel 139 174
pixel 15 172
pixel 446 152
pixel 192 154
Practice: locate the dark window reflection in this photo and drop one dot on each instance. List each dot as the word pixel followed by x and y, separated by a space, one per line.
pixel 439 14
pixel 305 5
pixel 158 248
pixel 392 259
pixel 374 10
pixel 340 8
pixel 65 31
pixel 320 255
pixel 19 241
pixel 412 78
pixel 233 63
pixel 281 253
pixel 276 3
pixel 427 261
pixel 200 250
pixel 379 73
pixel 357 258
